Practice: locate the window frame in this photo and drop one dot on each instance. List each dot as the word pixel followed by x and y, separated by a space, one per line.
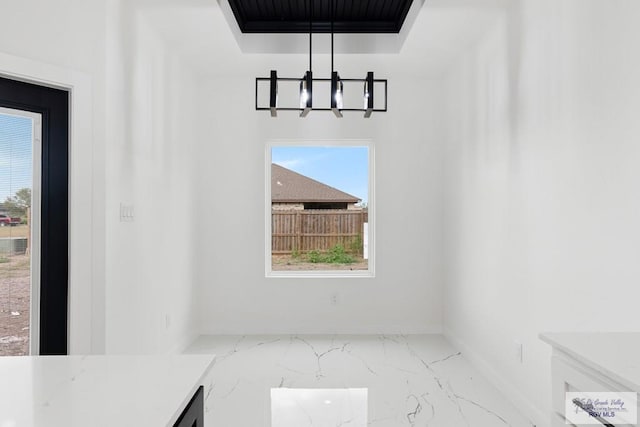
pixel 53 104
pixel 370 272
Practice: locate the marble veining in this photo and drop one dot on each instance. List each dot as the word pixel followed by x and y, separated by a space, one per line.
pixel 412 380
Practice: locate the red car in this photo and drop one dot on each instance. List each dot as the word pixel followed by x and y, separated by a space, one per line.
pixel 7 220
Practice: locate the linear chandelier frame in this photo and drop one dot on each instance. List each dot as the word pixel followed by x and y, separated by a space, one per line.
pixel 295 79
pixel 307 83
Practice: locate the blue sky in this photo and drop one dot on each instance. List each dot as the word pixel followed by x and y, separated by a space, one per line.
pixel 15 154
pixel 345 168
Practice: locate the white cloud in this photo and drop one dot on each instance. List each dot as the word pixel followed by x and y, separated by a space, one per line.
pixel 290 164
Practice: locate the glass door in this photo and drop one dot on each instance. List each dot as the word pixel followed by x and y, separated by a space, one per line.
pixel 20 182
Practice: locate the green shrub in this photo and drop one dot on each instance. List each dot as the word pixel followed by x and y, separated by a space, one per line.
pixel 315 257
pixel 335 255
pixel 3 260
pixel 338 255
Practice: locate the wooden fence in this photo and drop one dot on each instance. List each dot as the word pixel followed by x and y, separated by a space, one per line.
pixel 309 230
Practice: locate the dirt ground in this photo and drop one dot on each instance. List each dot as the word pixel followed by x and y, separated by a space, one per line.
pixel 14 305
pixel 288 263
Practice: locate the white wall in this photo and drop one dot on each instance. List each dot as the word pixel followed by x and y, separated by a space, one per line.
pixel 133 133
pixel 152 135
pixel 542 199
pixel 62 43
pixel 405 296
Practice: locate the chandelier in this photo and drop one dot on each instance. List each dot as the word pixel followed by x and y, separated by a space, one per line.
pixel 308 82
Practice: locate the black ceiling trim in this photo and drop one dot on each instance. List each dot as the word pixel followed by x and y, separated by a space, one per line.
pixel 292 16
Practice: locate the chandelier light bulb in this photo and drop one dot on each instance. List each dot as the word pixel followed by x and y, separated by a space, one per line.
pixel 304 94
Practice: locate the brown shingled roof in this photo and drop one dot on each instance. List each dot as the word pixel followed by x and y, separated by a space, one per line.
pixel 290 186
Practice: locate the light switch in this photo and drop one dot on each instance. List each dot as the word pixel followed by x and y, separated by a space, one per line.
pixel 126 212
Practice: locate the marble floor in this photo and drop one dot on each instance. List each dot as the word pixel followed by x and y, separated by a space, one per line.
pixel 414 380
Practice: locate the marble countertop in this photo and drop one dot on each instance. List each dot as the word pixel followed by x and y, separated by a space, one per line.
pixel 98 391
pixel 615 354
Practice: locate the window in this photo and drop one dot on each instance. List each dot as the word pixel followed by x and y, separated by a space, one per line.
pixel 319 209
pixel 19 151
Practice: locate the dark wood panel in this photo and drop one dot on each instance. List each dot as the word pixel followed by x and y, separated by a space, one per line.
pixel 293 16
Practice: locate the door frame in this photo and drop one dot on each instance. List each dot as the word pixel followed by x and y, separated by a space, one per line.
pixel 87 190
pixel 53 106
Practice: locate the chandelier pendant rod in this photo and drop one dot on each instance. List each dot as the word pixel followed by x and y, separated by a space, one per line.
pixel 310 32
pixel 332 11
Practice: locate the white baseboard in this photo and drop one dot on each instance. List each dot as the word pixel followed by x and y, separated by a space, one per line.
pixel 369 329
pixel 536 417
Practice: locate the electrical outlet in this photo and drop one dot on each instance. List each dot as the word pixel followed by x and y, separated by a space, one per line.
pixel 517 351
pixel 334 298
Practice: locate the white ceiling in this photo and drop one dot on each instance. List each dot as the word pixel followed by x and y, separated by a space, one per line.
pixel 440 31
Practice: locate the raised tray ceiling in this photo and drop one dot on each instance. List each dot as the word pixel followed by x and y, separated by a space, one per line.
pixel 292 16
